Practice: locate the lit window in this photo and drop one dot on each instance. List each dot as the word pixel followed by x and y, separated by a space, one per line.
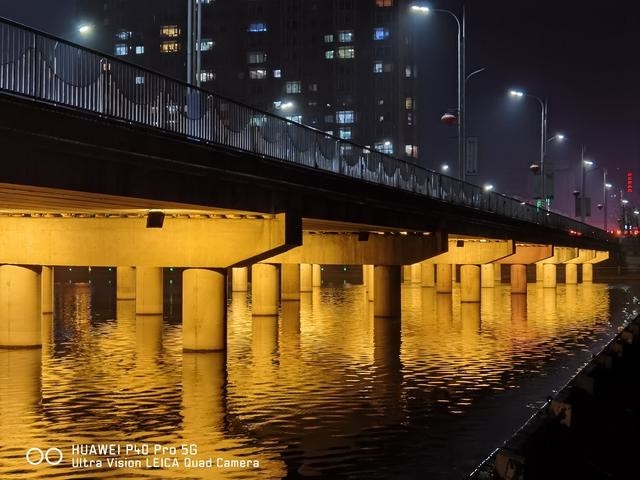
pixel 205 2
pixel 257 27
pixel 328 54
pixel 408 71
pixel 345 116
pixel 170 47
pixel 294 87
pixel 257 73
pixel 380 33
pixel 408 103
pixel 206 44
pixel 384 147
pixel 345 133
pixel 257 57
pixel 123 35
pixel 140 80
pixel 346 52
pixel 313 87
pixel 207 76
pixel 411 151
pixel 295 118
pixel 170 31
pixel 277 73
pixel 384 3
pixel 139 49
pixel 377 67
pixel 345 36
pixel 328 38
pixel 120 49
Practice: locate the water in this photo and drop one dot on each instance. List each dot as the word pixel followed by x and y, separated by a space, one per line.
pixel 324 390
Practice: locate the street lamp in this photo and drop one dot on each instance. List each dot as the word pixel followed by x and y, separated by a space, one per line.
pixel 584 163
pixel 559 137
pixel 488 187
pixel 460 22
pixel 444 167
pixel 85 28
pixel 543 136
pixel 605 186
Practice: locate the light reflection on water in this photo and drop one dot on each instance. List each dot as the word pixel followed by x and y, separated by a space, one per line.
pixel 325 389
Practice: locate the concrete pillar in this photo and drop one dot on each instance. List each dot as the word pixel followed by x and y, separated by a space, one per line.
pixel 264 289
pixel 539 272
pixel 20 307
pixel 443 277
pixel 46 288
pixel 428 275
pixel 125 283
pixel 370 283
pixel 497 273
pixel 487 275
pixel 386 301
pixel 571 273
pixel 290 281
pixel 470 283
pixel 239 279
pixel 306 277
pixel 148 291
pixel 416 273
pixel 406 274
pixel 204 310
pixel 316 275
pixel 549 277
pixel 454 273
pixel 587 273
pixel 518 279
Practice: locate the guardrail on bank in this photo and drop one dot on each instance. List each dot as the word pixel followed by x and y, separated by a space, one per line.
pixel 50 69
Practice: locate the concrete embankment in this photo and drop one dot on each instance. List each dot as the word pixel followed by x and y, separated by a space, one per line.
pixel 587 431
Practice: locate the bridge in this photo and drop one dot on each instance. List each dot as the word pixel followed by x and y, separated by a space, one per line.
pixel 110 164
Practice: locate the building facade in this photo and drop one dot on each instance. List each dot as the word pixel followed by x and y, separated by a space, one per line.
pixel 345 67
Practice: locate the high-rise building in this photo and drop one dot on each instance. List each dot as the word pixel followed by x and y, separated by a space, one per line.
pixel 346 67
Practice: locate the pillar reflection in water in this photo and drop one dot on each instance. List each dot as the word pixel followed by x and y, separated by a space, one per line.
pixel 20 394
pixel 519 309
pixel 290 324
pixel 148 340
pixel 470 317
pixel 387 372
pixel 264 340
pixel 444 308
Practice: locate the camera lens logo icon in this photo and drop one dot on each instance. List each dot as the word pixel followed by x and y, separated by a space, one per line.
pixel 35 456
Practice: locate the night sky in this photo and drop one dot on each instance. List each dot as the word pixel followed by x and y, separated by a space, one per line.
pixel 583 56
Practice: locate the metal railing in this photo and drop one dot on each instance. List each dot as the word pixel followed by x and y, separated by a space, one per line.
pixel 41 66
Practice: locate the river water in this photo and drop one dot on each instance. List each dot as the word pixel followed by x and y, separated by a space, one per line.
pixel 325 390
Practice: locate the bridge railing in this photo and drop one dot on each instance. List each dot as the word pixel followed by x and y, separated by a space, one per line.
pixel 47 68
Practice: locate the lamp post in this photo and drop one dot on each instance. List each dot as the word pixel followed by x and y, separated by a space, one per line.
pixel 543 136
pixel 460 22
pixel 583 200
pixel 605 186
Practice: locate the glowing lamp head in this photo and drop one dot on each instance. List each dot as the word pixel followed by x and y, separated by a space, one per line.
pixel 444 167
pixel 84 29
pixel 488 187
pixel 449 119
pixel 420 9
pixel 516 93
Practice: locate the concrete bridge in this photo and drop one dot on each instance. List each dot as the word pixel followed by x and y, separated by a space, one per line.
pixel 109 164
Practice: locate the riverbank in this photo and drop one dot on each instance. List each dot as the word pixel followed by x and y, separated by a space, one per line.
pixel 583 432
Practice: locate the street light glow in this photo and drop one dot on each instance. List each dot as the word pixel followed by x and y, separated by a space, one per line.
pixel 560 136
pixel 516 93
pixel 84 29
pixel 607 185
pixel 286 105
pixel 624 201
pixel 444 167
pixel 488 187
pixel 588 163
pixel 420 9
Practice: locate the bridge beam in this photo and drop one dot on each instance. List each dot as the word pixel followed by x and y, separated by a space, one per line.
pixel 184 242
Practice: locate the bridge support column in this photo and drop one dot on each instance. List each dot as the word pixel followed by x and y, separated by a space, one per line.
pixel 571 274
pixel 239 279
pixel 316 275
pixel 487 275
pixel 454 273
pixel 587 273
pixel 20 307
pixel 290 281
pixel 428 275
pixel 368 272
pixel 387 291
pixel 497 273
pixel 204 310
pixel 125 283
pixel 518 278
pixel 443 277
pixel 264 289
pixel 406 274
pixel 470 283
pixel 306 277
pixel 539 272
pixel 149 291
pixel 46 287
pixel 549 278
pixel 416 273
